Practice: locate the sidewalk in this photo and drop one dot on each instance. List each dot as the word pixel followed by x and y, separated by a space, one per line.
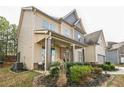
pixel 119 71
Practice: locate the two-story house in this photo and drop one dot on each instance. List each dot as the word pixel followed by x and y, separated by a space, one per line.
pixel 115 52
pixel 96 49
pixel 43 39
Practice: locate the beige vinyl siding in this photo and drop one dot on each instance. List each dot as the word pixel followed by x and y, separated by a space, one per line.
pixel 90 54
pixel 39 20
pixel 25 39
pixel 66 26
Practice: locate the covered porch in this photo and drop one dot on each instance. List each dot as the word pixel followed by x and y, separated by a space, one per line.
pixel 52 47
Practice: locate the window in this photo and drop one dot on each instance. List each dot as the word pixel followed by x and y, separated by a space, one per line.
pixel 80 56
pixel 53 54
pixel 79 36
pixel 66 32
pixel 42 58
pixel 122 59
pixel 52 27
pixel 49 26
pixel 45 24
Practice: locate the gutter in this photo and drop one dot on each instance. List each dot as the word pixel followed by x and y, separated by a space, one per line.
pixel 45 31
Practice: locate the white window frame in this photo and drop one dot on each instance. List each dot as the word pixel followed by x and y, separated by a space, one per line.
pixel 66 32
pixel 79 37
pixel 52 27
pixel 53 57
pixel 45 24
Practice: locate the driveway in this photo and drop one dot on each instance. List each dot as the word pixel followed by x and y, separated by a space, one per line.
pixel 119 71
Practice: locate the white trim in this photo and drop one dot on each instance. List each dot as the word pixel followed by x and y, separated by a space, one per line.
pixel 76 22
pixel 45 54
pixel 74 52
pixel 73 11
pixel 38 32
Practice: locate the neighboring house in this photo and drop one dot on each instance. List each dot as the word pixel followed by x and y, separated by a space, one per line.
pixel 115 52
pixel 43 39
pixel 95 51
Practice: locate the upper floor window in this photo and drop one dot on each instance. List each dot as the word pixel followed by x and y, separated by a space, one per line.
pixel 47 25
pixel 52 27
pixel 66 32
pixel 79 37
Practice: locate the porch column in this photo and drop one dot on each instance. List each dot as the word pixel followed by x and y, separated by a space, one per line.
pixel 47 53
pixel 74 52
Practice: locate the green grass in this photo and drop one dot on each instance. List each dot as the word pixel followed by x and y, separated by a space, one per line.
pixel 10 79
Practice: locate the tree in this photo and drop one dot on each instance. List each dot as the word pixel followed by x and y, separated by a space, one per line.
pixel 12 40
pixel 8 41
pixel 4 25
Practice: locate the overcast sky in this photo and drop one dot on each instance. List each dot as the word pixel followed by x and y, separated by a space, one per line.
pixel 110 19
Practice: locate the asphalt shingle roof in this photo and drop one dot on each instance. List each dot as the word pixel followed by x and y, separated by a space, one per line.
pixel 93 38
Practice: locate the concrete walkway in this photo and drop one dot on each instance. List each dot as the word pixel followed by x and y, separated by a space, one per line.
pixel 119 71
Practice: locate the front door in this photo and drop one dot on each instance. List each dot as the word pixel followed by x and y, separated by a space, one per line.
pixel 66 55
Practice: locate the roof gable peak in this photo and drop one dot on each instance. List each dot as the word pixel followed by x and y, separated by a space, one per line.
pixel 74 12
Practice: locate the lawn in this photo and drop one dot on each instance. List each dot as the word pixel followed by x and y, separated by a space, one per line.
pixel 117 81
pixel 120 65
pixel 24 79
pixel 10 79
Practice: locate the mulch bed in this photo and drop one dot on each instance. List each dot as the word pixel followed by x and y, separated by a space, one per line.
pixel 44 81
pixel 48 81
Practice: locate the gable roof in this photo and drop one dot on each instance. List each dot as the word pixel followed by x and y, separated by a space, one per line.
pixel 93 38
pixel 71 22
pixel 73 19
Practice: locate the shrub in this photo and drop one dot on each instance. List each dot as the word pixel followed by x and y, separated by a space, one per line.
pixel 108 63
pixel 107 67
pixel 78 73
pixel 55 69
pixel 97 71
pixel 112 67
pixel 87 64
pixel 55 64
pixel 70 64
pixel 93 64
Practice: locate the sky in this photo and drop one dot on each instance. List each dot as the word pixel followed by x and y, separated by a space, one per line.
pixel 108 18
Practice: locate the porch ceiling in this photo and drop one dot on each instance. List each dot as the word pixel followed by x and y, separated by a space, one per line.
pixel 58 37
pixel 39 37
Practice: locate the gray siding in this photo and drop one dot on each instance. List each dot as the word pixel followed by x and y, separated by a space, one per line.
pixel 76 37
pixel 71 19
pixel 79 25
pixel 112 56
